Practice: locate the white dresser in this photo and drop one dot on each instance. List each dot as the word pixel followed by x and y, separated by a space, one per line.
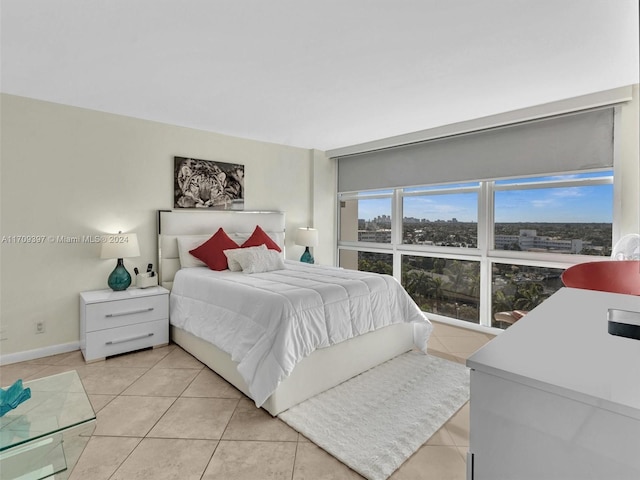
pixel 556 397
pixel 118 322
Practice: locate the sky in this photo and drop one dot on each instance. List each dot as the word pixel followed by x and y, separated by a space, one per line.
pixel 571 205
pixel 565 204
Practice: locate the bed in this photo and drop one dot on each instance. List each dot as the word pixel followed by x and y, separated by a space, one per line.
pixel 288 355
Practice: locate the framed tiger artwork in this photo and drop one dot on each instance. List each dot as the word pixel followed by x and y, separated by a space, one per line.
pixel 208 184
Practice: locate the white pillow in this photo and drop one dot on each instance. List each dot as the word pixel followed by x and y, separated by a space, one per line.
pixel 255 259
pixel 189 242
pixel 235 253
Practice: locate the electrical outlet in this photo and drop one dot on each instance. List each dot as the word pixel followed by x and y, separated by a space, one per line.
pixel 40 327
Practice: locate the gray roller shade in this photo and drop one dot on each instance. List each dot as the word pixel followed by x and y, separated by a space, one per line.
pixel 578 141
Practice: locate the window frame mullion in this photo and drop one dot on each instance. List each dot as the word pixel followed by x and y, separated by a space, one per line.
pixel 485 240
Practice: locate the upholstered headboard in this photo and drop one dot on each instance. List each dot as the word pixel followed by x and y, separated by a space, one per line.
pixel 172 223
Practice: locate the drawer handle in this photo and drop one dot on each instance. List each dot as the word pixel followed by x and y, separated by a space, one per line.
pixel 132 312
pixel 114 342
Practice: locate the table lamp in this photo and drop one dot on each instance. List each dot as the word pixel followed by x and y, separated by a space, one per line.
pixel 119 246
pixel 307 237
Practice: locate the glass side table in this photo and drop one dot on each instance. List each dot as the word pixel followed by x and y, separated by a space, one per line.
pixel 45 435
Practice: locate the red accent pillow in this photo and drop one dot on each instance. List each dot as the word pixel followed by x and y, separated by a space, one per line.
pixel 211 252
pixel 259 237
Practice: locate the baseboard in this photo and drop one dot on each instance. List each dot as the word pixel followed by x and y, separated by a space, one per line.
pixel 38 353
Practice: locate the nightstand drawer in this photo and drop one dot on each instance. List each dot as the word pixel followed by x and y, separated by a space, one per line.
pixel 113 341
pixel 126 312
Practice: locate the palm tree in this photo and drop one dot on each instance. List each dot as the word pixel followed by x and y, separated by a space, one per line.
pixel 435 290
pixel 418 283
pixel 456 272
pixel 438 265
pixel 380 266
pixel 529 296
pixel 502 302
pixel 474 282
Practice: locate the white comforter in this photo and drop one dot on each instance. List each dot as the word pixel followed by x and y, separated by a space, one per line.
pixel 268 322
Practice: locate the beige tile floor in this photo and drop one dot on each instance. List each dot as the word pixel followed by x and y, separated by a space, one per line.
pixel 161 414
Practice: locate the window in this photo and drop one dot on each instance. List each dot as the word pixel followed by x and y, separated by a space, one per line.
pixel 516 235
pixel 442 216
pixel 560 214
pixel 480 219
pixel 366 218
pixel 366 261
pixel 443 286
pixel 519 287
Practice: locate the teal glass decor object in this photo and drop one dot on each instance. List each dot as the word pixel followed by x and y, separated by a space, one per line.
pixel 119 279
pixel 307 257
pixel 13 396
pixel 119 246
pixel 307 237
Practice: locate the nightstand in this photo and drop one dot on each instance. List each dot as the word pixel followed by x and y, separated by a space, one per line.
pixel 119 322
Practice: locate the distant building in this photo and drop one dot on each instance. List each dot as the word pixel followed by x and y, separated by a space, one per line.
pixel 376 236
pixel 529 240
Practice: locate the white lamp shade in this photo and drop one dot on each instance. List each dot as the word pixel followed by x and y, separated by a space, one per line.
pixel 120 245
pixel 307 237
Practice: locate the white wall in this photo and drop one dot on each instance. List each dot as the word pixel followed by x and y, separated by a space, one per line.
pixel 72 172
pixel 323 203
pixel 627 167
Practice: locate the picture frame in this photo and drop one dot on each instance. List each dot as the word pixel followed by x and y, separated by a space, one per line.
pixel 208 184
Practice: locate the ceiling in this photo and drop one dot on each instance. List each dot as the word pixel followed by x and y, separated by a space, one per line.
pixel 315 74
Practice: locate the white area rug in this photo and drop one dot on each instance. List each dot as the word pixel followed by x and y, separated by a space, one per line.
pixel 377 420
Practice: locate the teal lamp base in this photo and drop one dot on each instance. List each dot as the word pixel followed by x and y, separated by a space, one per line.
pixel 307 257
pixel 119 279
